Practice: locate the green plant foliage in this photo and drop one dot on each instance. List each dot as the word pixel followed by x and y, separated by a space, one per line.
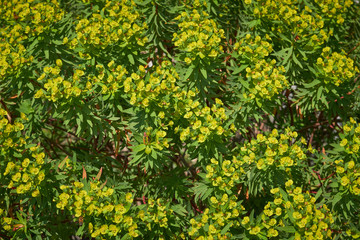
pixel 205 119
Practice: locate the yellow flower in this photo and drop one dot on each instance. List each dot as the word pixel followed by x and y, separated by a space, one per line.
pixel 255 230
pixel 16 177
pixel 272 232
pixel 187 60
pixel 297 190
pixel 289 183
pixel 340 169
pixel 245 220
pixel 59 62
pixel 197 124
pixel 260 164
pixel 297 215
pixel 345 181
pixel 212 229
pixel 35 193
pixel 343 142
pixel 278 211
pixel 274 190
pixel 214 200
pixel 351 164
pixel 10 166
pixel 278 201
pixel 128 198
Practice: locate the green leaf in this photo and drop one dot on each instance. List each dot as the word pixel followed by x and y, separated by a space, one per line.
pixel 324 101
pixel 239 69
pixel 297 61
pixel 60 177
pixel 80 231
pixel 226 228
pixel 288 55
pixel 32 46
pixel 258 102
pixel 78 121
pixel 189 72
pixel 200 190
pixel 336 199
pixel 283 194
pixel 131 59
pixel 113 118
pixel 30 86
pixel 312 84
pixel 319 92
pixel 139 148
pixel 81 117
pixel 318 194
pixel 89 122
pixel 164 49
pixel 137 158
pixel 288 229
pixel 57 42
pixel 142 3
pixel 179 209
pixel 312 70
pixel 203 72
pixel 253 23
pixel 26 107
pixel 285 38
pixel 46 51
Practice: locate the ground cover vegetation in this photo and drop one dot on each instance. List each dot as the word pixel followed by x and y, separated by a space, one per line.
pixel 178 119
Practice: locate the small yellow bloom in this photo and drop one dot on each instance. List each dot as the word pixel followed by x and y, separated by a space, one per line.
pixel 345 181
pixel 129 198
pixel 255 230
pixel 59 62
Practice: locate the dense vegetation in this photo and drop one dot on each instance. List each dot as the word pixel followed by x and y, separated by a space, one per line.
pixel 178 119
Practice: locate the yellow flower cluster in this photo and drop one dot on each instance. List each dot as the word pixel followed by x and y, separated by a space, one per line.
pixel 349 176
pixel 38 16
pixel 101 80
pixel 14 34
pixel 27 175
pixel 156 214
pixel 204 122
pixel 225 175
pixel 275 150
pixel 335 68
pixel 197 4
pixel 55 86
pixel 12 59
pixel 95 202
pixel 120 26
pixel 9 131
pixel 94 1
pixel 198 35
pixel 309 220
pixel 224 210
pixel 157 87
pixel 265 80
pixel 288 17
pixel 156 138
pixel 335 8
pixel 22 175
pixel 6 222
pixel 109 80
pixel 253 48
pixel 151 87
pixel 348 168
